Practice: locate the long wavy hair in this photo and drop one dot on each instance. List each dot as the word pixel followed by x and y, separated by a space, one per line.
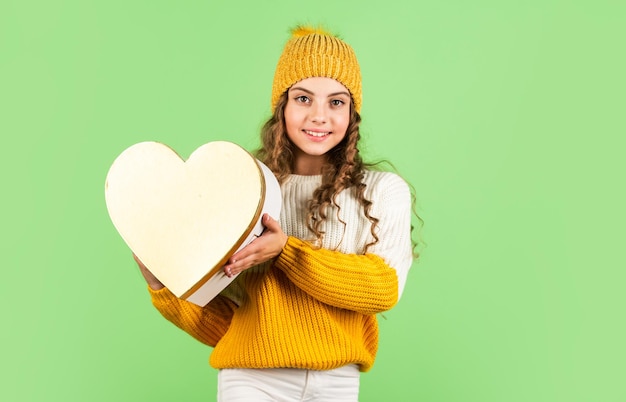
pixel 344 168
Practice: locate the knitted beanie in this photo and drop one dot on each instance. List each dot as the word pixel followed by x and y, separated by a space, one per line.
pixel 313 52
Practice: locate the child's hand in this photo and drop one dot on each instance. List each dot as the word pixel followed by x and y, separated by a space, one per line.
pixel 261 249
pixel 153 282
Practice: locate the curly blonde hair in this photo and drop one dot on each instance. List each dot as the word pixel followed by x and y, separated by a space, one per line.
pixel 344 168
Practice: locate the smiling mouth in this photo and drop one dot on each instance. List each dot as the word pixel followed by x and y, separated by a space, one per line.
pixel 317 133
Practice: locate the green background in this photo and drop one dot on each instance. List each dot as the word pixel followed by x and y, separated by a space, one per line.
pixel 506 116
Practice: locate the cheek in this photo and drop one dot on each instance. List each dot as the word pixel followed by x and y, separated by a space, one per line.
pixel 292 129
pixel 289 119
pixel 344 122
pixel 292 115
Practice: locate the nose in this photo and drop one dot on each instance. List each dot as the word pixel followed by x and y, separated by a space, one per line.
pixel 318 113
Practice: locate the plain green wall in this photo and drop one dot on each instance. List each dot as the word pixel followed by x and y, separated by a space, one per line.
pixel 506 116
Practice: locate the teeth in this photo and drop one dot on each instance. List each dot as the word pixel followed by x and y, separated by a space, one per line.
pixel 316 134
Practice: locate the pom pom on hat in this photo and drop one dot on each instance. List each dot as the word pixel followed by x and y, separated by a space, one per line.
pixel 314 52
pixel 304 30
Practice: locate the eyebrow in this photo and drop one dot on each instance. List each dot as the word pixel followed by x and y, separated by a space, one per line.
pixel 312 93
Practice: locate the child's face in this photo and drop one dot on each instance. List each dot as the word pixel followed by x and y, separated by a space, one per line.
pixel 317 115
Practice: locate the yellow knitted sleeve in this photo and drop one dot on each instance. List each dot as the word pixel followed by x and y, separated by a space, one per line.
pixel 361 283
pixel 207 324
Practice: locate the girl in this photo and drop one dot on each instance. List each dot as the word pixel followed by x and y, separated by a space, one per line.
pixel 299 322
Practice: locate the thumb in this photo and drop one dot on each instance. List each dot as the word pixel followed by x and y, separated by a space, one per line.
pixel 270 223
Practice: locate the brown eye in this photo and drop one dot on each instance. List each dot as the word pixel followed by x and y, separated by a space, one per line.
pixel 302 99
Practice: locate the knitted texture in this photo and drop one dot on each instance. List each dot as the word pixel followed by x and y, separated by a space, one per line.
pixel 207 325
pixel 315 53
pixel 310 308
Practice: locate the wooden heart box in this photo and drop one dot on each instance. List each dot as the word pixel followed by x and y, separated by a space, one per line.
pixel 185 219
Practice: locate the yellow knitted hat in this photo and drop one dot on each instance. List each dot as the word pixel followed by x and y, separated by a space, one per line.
pixel 313 52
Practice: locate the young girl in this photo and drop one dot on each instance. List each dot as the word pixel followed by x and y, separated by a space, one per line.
pixel 299 322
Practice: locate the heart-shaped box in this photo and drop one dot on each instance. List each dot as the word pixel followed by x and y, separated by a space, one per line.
pixel 185 219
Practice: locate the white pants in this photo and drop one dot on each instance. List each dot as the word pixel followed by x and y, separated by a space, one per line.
pixel 288 385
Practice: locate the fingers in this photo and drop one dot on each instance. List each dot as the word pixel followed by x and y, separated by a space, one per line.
pixel 252 248
pixel 152 280
pixel 138 261
pixel 263 248
pixel 253 254
pixel 237 266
